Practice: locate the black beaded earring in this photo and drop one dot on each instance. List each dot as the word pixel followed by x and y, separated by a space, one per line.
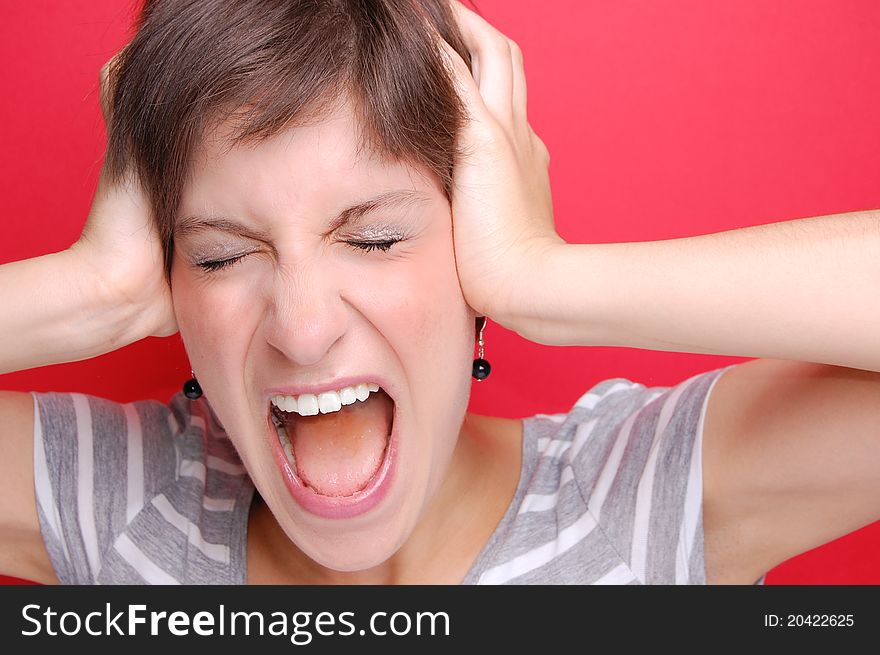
pixel 481 366
pixel 191 388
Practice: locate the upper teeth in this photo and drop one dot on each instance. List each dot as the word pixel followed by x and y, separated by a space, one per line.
pixel 309 404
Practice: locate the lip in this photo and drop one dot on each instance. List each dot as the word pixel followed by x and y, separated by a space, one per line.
pixel 340 507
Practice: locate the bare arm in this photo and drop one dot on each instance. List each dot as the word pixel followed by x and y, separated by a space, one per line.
pixel 802 290
pixel 48 316
pixel 107 290
pixel 791 460
pixel 57 309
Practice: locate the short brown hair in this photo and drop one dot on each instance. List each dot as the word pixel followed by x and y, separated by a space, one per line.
pixel 274 64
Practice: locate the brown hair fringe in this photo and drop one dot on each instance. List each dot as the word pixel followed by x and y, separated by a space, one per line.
pixel 268 65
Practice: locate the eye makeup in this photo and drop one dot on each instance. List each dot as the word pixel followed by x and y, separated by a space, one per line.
pixel 380 239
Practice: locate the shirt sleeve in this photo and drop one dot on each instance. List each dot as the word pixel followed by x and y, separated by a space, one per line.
pixel 96 464
pixel 637 459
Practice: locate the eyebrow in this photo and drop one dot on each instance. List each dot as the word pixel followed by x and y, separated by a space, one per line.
pixel 348 216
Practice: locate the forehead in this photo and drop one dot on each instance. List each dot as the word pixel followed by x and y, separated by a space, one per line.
pixel 312 163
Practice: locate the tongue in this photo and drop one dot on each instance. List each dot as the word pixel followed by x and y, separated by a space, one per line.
pixel 337 453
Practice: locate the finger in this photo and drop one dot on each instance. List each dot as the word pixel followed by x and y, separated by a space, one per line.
pixel 465 84
pixel 519 104
pixel 491 51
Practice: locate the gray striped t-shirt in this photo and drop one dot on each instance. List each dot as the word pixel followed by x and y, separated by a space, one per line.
pixel 610 492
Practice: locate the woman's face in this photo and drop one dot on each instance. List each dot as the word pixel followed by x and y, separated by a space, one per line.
pixel 304 309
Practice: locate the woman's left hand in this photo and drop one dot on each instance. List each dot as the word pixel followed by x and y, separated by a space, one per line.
pixel 502 211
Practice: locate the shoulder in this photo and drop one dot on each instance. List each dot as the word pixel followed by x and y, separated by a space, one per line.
pixel 637 459
pixel 120 486
pixel 610 489
pixel 96 464
pixel 94 439
pixel 620 428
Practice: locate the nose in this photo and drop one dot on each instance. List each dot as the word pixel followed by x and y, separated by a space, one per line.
pixel 307 314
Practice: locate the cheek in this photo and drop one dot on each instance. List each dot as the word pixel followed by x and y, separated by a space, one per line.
pixel 422 303
pixel 428 324
pixel 213 318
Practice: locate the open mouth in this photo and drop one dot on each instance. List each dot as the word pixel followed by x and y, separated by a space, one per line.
pixel 336 444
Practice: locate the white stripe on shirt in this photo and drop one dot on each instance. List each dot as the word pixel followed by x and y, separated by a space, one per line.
pixel 85 499
pixel 44 485
pixel 543 502
pixel 217 464
pixel 693 503
pixel 218 504
pixel 216 552
pixel 190 468
pixel 134 483
pixel 620 574
pixel 645 492
pixel 582 434
pixel 553 448
pixel 589 399
pixel 138 560
pixel 195 469
pixel 537 557
pixel 612 466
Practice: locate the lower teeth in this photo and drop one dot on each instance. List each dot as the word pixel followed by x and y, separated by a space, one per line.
pixel 286 445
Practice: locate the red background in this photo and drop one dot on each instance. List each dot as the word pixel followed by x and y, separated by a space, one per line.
pixel 664 120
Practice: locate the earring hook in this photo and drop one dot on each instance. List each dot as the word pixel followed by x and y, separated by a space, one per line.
pixel 480 337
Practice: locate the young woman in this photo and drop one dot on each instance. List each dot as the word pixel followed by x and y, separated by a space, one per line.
pixel 327 199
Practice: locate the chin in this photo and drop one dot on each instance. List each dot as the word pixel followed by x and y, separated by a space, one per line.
pixel 355 545
pixel 360 557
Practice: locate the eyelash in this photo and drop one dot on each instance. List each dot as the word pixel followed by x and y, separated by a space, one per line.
pixel 369 246
pixel 219 264
pixel 363 246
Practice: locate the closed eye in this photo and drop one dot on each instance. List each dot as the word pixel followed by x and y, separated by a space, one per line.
pixel 369 246
pixel 219 264
pixel 212 266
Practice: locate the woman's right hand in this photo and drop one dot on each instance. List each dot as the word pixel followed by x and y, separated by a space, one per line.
pixel 120 247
